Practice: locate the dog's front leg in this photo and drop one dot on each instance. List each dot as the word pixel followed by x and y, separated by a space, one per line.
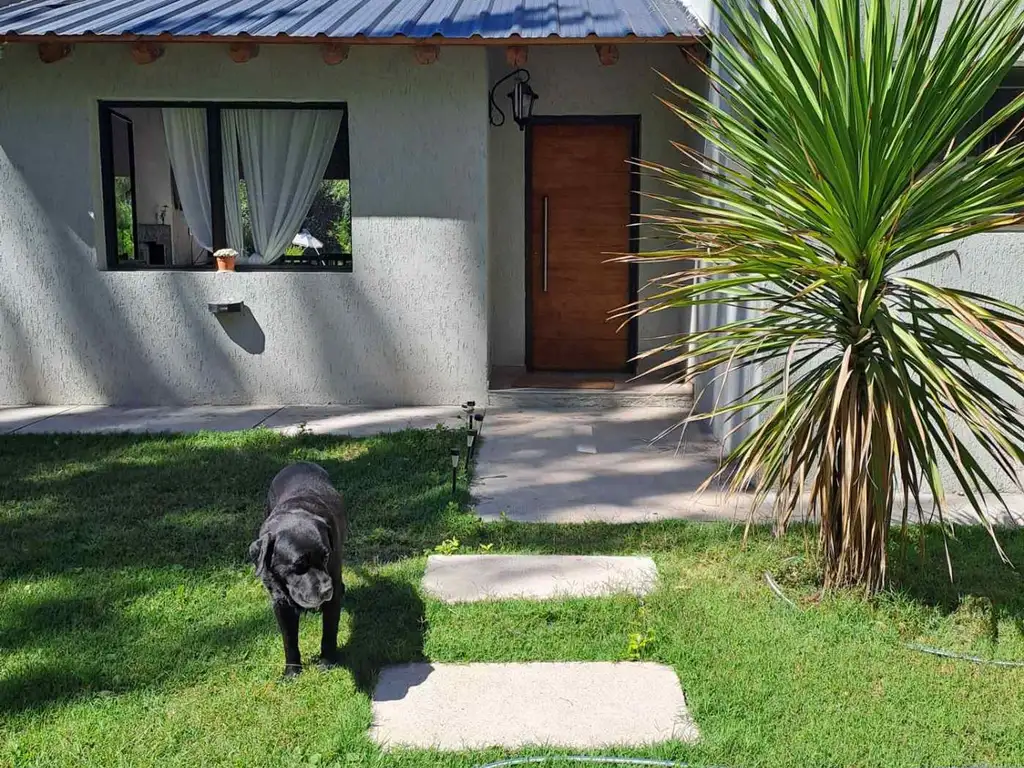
pixel 288 622
pixel 329 641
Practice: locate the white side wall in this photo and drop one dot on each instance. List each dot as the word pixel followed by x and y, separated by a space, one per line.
pixel 409 325
pixel 571 81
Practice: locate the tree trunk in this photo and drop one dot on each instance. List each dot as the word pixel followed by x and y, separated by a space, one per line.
pixel 854 494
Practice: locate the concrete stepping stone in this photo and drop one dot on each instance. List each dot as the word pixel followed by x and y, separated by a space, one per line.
pixel 472 578
pixel 580 705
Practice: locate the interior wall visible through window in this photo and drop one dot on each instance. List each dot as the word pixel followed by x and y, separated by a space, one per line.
pixel 270 181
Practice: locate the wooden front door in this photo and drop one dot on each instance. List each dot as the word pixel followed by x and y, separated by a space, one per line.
pixel 580 211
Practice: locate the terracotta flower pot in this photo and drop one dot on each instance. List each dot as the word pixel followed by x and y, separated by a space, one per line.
pixel 225 259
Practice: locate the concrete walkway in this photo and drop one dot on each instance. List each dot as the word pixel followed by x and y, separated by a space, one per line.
pixel 335 420
pixel 561 466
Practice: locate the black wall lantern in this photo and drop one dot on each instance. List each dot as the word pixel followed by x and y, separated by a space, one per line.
pixel 522 96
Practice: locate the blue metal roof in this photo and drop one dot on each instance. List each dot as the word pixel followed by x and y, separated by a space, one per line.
pixel 344 19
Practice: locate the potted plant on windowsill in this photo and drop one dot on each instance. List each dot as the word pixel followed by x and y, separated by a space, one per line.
pixel 225 259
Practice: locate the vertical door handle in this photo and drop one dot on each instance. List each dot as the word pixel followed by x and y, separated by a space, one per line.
pixel 544 278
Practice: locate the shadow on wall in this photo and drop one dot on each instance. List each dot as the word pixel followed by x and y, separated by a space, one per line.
pixel 244 329
pixel 87 336
pixel 60 300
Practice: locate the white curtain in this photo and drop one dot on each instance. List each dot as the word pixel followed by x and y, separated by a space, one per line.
pixel 284 154
pixel 185 131
pixel 232 173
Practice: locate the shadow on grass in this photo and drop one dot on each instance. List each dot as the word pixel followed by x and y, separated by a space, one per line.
pixel 978 575
pixel 388 626
pixel 78 649
pixel 197 500
pixel 123 563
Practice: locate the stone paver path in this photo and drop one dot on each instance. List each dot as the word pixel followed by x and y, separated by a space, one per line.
pixel 575 705
pixel 472 578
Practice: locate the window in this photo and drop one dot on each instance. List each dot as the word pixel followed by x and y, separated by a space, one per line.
pixel 1009 90
pixel 268 180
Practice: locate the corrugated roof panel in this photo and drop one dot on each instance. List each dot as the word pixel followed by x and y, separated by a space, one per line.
pixel 325 15
pixel 457 19
pixel 539 18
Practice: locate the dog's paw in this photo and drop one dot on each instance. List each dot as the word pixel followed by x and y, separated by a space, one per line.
pixel 290 671
pixel 329 661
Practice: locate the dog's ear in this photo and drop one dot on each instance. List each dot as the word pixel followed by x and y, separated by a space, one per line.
pixel 259 553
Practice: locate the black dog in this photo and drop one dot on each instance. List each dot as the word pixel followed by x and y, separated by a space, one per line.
pixel 298 556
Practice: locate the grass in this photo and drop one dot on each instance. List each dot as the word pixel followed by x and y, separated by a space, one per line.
pixel 133 632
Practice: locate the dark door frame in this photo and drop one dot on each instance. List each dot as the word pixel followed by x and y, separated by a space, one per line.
pixel 633 123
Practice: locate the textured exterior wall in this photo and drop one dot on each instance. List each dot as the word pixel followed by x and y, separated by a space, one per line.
pixel 409 325
pixel 571 81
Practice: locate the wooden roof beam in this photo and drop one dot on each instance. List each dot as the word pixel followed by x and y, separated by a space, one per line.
pixel 146 53
pixel 426 54
pixel 334 53
pixel 52 52
pixel 607 54
pixel 240 53
pixel 515 55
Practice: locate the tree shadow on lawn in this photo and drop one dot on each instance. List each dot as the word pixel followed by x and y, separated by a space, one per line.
pixel 123 558
pixel 197 501
pixel 978 574
pixel 87 646
pixel 80 646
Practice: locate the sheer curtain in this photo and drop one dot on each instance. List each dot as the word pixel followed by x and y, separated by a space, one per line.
pixel 185 131
pixel 284 154
pixel 232 173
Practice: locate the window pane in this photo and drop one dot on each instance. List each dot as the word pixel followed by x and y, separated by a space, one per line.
pixel 124 199
pixel 125 218
pixel 161 207
pixel 290 199
pixel 151 227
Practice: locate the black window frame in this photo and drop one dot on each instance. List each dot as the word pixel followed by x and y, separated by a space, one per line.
pixel 1013 82
pixel 108 108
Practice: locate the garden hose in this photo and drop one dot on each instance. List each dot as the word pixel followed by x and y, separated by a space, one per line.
pixel 617 761
pixel 963 657
pixel 777 591
pixel 591 760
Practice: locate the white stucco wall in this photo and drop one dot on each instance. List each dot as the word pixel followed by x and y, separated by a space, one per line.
pixel 571 81
pixel 409 325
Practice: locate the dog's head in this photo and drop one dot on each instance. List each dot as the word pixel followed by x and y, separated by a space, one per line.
pixel 292 559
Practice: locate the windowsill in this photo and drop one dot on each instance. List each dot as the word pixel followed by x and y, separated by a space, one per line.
pixel 347 268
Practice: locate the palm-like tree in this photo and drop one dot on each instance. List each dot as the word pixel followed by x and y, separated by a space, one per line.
pixel 855 155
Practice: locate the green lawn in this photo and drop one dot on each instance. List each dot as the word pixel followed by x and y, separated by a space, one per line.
pixel 133 632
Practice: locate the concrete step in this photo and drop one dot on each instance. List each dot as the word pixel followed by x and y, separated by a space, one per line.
pixel 649 395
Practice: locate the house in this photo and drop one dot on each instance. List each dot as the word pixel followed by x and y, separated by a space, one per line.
pixel 420 193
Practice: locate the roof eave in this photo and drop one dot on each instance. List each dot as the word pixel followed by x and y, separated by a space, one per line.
pixel 478 40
